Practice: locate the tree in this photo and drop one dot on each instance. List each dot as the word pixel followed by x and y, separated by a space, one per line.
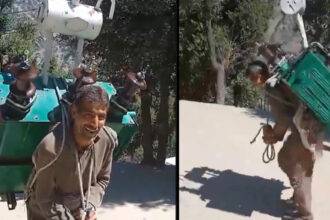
pixel 193 50
pixel 217 37
pixel 21 36
pixel 4 19
pixel 5 3
pixel 143 35
pixel 217 60
pixel 21 41
pixel 317 20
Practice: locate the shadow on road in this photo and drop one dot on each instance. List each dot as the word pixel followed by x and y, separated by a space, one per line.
pixel 145 186
pixel 237 193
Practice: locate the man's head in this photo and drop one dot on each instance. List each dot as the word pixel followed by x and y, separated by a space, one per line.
pixel 88 112
pixel 258 73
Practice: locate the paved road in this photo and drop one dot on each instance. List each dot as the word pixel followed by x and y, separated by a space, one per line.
pixel 135 193
pixel 222 176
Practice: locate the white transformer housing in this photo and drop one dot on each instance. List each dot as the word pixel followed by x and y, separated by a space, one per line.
pixel 61 16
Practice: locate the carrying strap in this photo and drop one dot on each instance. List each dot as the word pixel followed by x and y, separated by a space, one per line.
pixel 33 178
pixel 279 99
pixel 84 201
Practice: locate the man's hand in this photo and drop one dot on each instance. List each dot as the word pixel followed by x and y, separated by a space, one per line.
pixel 269 136
pixel 90 215
pixel 77 214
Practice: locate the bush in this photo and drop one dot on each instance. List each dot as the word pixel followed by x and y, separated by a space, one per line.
pixel 241 93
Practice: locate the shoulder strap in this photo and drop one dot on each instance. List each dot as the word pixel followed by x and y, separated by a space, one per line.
pixel 281 87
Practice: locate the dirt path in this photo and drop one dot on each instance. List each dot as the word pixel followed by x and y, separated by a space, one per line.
pixel 135 192
pixel 223 177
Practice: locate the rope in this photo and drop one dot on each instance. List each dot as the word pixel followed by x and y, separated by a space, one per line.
pixel 269 153
pixel 64 123
pixel 255 137
pixel 92 164
pixel 84 201
pixel 80 179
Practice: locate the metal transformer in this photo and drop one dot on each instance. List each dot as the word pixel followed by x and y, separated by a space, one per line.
pixel 309 78
pixel 62 16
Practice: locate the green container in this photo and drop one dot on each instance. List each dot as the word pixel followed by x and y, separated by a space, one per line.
pixel 18 139
pixel 309 78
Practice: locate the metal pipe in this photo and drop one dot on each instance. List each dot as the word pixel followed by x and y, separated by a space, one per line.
pixel 98 4
pixel 112 9
pixel 302 30
pixel 75 2
pixel 47 57
pixel 80 47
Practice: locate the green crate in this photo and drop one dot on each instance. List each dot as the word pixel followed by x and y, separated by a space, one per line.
pixel 309 78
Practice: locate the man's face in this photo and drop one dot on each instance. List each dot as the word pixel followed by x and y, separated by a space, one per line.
pixel 88 119
pixel 256 79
